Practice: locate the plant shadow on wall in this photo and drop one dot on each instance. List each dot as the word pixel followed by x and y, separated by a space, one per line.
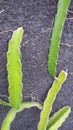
pixel 14 68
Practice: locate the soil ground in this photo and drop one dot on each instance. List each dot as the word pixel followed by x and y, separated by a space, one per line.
pixel 36 17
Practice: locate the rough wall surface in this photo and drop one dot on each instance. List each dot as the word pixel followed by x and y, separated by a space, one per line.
pixel 36 17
